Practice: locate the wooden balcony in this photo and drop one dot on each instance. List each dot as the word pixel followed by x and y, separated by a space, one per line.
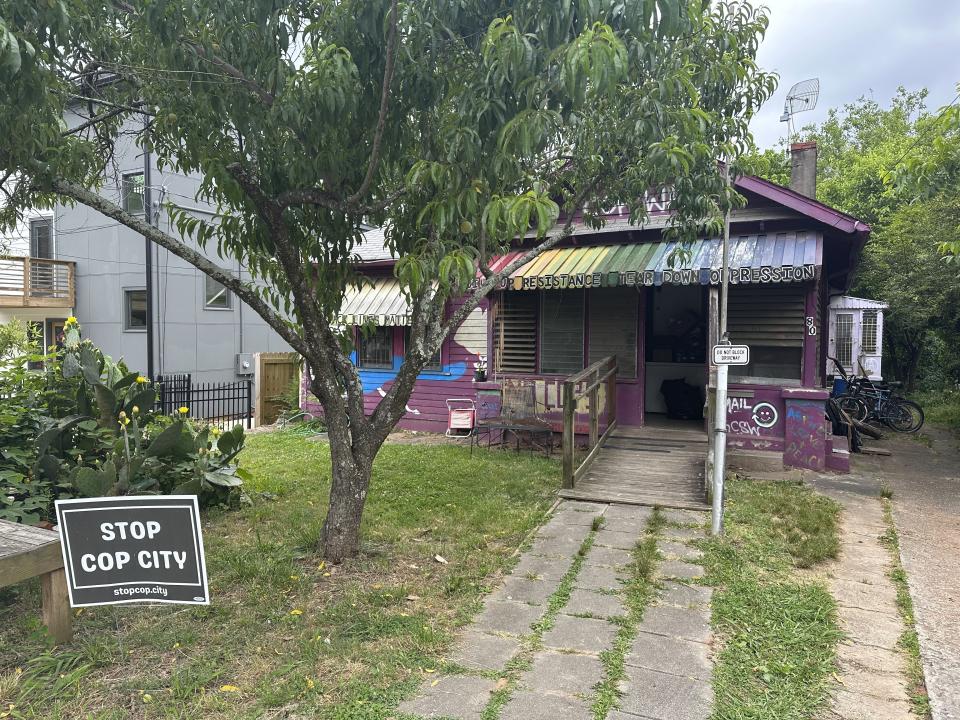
pixel 27 282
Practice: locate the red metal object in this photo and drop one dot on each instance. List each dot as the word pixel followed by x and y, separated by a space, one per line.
pixel 461 417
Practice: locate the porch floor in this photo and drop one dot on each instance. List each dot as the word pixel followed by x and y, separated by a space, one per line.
pixel 661 464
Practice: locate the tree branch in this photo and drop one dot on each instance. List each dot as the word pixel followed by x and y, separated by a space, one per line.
pixel 95 120
pixel 266 97
pixel 392 42
pixel 99 203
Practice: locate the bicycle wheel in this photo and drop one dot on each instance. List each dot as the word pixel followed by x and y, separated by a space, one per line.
pixel 853 406
pixel 902 415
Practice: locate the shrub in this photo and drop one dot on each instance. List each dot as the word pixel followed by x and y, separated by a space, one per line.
pixel 86 427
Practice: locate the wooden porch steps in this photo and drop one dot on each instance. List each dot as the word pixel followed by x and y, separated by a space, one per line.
pixel 653 465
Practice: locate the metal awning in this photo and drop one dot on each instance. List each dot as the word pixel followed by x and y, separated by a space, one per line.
pixel 763 258
pixel 381 303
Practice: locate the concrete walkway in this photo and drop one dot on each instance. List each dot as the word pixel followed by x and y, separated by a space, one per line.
pixel 872 676
pixel 538 647
pixel 926 510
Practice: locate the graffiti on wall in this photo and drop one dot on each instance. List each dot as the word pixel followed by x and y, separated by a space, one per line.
pixel 746 417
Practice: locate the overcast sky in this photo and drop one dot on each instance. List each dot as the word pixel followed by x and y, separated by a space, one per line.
pixel 858 47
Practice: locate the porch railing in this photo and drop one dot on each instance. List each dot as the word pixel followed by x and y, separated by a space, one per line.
pixel 596 382
pixel 36 282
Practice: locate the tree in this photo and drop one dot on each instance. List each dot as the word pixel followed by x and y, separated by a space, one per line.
pixel 870 163
pixel 457 125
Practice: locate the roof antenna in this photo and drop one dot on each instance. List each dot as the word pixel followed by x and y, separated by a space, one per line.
pixel 802 97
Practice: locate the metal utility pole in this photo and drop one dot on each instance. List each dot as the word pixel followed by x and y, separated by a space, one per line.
pixel 720 412
pixel 148 248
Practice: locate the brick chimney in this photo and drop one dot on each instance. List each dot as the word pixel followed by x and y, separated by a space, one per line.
pixel 803 168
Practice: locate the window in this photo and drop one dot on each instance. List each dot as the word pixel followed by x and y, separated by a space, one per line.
pixel 131 192
pixel 135 310
pixel 435 363
pixel 41 238
pixel 375 348
pixel 216 296
pixel 845 340
pixel 515 332
pixel 613 327
pixel 770 319
pixel 868 333
pixel 561 332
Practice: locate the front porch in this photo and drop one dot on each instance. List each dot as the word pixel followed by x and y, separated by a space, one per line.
pixel 661 463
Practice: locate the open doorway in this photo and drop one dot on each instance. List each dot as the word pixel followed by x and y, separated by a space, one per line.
pixel 676 354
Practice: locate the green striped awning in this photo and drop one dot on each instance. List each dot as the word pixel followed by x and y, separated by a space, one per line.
pixel 763 258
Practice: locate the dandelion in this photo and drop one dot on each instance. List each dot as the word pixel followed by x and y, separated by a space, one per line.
pixel 184 410
pixel 296 612
pixel 229 688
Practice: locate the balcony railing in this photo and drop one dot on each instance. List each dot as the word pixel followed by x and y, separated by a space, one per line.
pixel 36 282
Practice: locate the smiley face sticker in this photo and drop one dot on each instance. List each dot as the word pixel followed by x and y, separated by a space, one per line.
pixel 765 415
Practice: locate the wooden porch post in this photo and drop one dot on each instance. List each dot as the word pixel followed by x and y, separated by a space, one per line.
pixel 568 437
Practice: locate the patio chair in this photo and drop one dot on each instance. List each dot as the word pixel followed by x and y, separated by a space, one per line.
pixel 520 415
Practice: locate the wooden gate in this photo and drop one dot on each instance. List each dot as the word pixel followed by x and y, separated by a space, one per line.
pixel 274 374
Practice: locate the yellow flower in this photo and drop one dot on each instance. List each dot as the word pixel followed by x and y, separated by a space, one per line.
pixel 229 688
pixel 136 410
pixel 71 321
pixel 296 612
pixel 141 379
pixel 122 414
pixel 184 410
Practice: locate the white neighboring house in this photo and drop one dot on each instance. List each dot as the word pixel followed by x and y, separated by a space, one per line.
pixel 856 334
pixel 35 286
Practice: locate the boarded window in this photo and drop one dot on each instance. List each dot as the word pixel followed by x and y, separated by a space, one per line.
pixel 515 333
pixel 868 333
pixel 561 332
pixel 770 319
pixel 613 328
pixel 375 348
pixel 845 340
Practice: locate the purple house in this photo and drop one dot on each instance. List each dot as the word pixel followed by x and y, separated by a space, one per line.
pixel 613 291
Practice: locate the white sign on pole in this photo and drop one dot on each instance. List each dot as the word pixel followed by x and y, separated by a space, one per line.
pixel 731 355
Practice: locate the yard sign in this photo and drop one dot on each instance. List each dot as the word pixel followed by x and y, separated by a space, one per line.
pixel 133 550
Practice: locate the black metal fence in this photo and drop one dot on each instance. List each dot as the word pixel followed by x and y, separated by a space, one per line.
pixel 223 404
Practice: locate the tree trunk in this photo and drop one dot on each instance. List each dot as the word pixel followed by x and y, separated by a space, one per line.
pixel 340 537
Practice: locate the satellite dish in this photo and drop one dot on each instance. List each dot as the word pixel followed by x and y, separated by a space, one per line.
pixel 802 97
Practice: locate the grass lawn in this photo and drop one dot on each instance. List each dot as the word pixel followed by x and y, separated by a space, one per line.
pixel 776 626
pixel 287 635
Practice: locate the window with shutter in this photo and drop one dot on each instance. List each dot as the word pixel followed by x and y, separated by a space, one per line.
pixel 613 327
pixel 515 332
pixel 561 332
pixel 770 319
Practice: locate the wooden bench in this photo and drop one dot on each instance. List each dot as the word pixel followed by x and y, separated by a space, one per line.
pixel 26 552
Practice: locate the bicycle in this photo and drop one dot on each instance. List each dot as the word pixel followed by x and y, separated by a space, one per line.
pixel 866 400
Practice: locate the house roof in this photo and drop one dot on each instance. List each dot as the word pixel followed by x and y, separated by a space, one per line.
pixel 373 248
pixel 802 204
